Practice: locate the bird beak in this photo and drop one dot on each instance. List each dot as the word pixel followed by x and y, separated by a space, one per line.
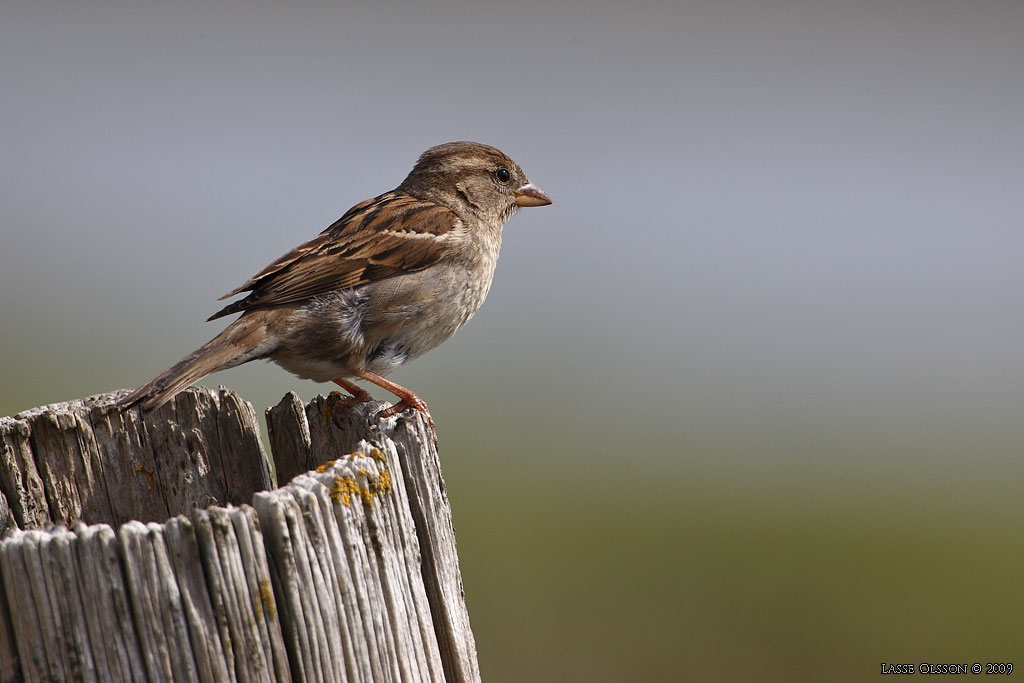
pixel 531 195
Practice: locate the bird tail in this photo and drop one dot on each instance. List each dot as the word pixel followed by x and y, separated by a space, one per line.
pixel 245 339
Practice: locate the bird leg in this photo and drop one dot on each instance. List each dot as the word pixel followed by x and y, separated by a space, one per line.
pixel 408 399
pixel 359 395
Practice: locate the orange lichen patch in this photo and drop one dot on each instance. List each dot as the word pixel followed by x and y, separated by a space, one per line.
pixel 365 484
pixel 367 496
pixel 377 455
pixel 149 475
pixel 343 489
pixel 323 468
pixel 267 599
pixel 328 407
pixel 384 482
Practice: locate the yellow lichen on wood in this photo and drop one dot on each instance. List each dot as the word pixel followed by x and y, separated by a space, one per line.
pixel 375 485
pixel 385 481
pixel 149 476
pixel 343 489
pixel 328 408
pixel 367 496
pixel 267 599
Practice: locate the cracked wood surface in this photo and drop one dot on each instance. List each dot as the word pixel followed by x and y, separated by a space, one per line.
pixel 152 546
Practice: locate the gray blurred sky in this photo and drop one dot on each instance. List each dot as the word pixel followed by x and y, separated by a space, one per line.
pixel 789 223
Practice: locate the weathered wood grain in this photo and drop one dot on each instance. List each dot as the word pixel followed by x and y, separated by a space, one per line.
pixel 336 427
pixel 349 527
pixel 8 648
pixel 115 645
pixel 289 438
pixel 20 482
pixel 327 578
pixel 239 584
pixel 107 464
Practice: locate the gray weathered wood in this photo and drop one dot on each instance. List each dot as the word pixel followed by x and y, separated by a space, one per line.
pixel 106 464
pixel 289 438
pixel 349 527
pixel 20 482
pixel 8 647
pixel 239 584
pixel 333 427
pixel 347 573
pixel 115 644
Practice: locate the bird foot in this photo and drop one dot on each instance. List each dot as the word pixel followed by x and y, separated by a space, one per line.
pixel 358 397
pixel 344 402
pixel 408 400
pixel 358 394
pixel 411 401
pixel 416 403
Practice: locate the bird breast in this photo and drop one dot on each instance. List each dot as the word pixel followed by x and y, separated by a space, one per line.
pixel 418 311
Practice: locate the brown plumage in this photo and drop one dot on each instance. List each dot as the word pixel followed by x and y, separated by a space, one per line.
pixel 376 239
pixel 391 279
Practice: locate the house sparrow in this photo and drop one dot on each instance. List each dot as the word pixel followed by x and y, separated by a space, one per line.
pixel 391 279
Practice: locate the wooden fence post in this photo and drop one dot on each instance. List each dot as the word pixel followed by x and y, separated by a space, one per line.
pixel 346 573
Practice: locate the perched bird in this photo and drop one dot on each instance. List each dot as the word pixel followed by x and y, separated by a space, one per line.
pixel 391 279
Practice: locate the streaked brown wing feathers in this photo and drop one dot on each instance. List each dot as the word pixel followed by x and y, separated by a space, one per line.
pixel 377 239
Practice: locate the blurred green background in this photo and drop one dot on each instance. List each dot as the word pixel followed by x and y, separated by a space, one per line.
pixel 743 404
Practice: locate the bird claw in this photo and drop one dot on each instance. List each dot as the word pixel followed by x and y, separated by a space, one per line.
pixel 407 402
pixel 415 403
pixel 358 394
pixel 348 401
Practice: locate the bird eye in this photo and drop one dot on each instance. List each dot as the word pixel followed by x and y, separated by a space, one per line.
pixel 503 175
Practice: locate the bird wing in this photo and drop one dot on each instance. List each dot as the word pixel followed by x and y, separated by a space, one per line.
pixel 377 239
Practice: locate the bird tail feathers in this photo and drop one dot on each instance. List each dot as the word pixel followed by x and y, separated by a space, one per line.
pixel 244 340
